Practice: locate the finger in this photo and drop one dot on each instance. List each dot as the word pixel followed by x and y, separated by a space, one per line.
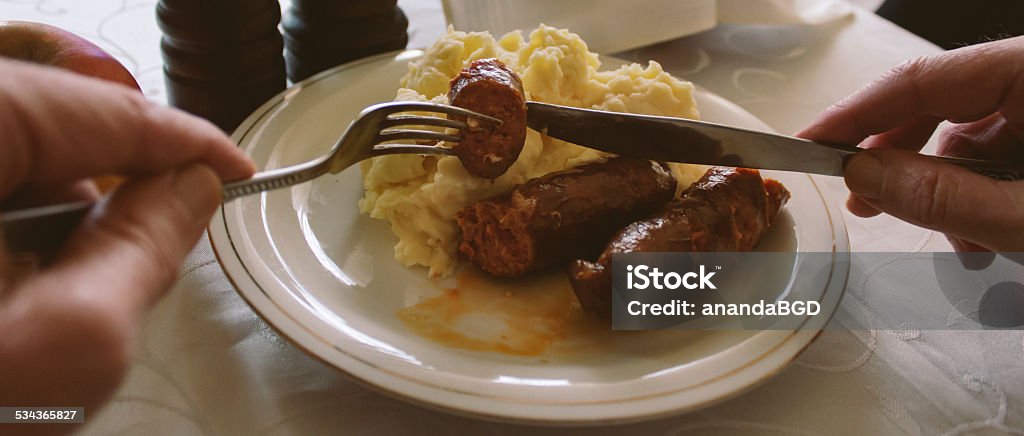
pixel 137 240
pixel 58 127
pixel 5 266
pixel 988 138
pixel 972 256
pixel 938 196
pixel 129 249
pixel 961 86
pixel 89 303
pixel 860 208
pixel 912 135
pixel 14 267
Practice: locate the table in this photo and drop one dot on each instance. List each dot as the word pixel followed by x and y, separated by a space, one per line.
pixel 206 364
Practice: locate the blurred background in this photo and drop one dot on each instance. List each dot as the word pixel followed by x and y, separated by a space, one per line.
pixel 128 30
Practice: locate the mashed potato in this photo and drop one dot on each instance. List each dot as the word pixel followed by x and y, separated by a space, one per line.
pixel 419 195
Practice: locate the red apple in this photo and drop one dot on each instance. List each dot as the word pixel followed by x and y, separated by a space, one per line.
pixel 49 45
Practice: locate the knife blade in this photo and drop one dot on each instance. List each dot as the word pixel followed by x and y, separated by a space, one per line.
pixel 687 141
pixel 682 140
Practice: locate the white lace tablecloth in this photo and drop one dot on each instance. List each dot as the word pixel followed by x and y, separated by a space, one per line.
pixel 207 364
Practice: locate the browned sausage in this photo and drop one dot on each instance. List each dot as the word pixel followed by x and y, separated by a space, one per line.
pixel 727 210
pixel 489 87
pixel 561 216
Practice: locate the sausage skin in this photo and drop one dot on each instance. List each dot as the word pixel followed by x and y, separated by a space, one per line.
pixel 561 216
pixel 489 87
pixel 727 210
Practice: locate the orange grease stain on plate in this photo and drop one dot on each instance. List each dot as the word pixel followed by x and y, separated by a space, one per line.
pixel 522 317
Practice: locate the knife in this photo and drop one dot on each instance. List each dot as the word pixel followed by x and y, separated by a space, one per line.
pixel 681 140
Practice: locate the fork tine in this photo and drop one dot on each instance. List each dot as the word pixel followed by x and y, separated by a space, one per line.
pixel 425 135
pixel 418 106
pixel 413 120
pixel 383 149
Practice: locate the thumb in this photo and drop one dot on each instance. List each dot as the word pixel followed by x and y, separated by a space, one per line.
pixel 129 251
pixel 926 192
pixel 87 305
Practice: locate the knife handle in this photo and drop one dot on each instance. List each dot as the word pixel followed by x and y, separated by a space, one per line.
pixel 988 168
pixel 1008 175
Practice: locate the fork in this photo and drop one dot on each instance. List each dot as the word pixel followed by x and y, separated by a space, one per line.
pixel 362 140
pixel 43 230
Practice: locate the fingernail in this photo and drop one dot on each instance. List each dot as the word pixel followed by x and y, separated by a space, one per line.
pixel 864 175
pixel 198 188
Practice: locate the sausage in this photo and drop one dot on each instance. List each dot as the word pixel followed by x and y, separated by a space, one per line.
pixel 489 87
pixel 561 216
pixel 727 210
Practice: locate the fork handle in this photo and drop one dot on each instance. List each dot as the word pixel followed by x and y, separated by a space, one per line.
pixel 42 231
pixel 275 179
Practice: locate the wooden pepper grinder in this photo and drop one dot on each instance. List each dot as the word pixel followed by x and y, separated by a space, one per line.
pixel 222 59
pixel 319 34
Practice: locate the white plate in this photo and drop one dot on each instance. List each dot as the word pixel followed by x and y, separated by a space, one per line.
pixel 324 275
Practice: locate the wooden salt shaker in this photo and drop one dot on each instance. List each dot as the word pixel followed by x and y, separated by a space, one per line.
pixel 222 59
pixel 320 34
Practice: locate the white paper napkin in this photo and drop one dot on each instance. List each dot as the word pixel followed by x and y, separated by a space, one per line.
pixel 810 12
pixel 610 26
